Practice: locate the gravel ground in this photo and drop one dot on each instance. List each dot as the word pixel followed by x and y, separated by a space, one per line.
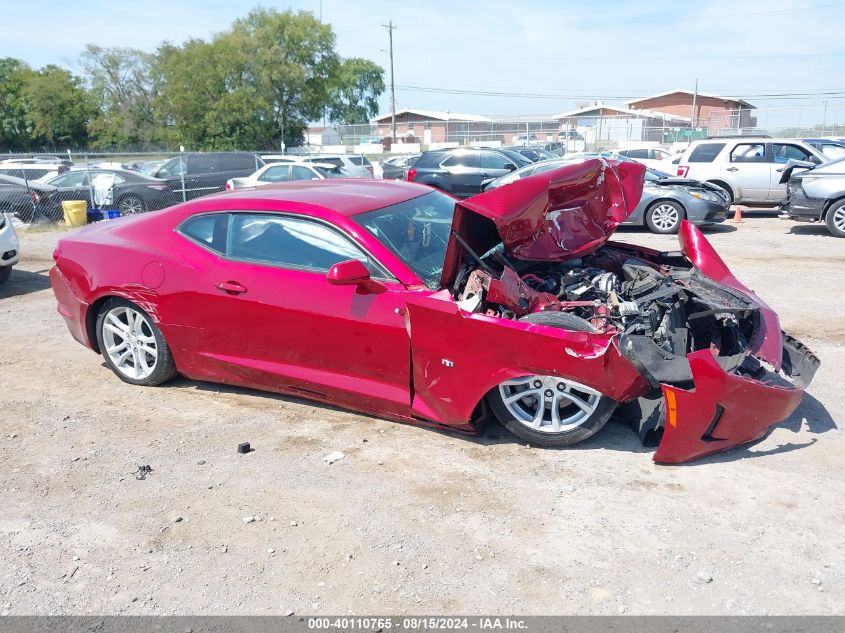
pixel 411 520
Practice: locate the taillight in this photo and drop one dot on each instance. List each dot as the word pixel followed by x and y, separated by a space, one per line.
pixel 228 187
pixel 370 168
pixel 34 195
pixel 683 170
pixel 412 173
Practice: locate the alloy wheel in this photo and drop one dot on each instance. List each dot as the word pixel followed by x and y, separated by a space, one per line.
pixel 130 343
pixel 549 404
pixel 665 217
pixel 839 218
pixel 131 205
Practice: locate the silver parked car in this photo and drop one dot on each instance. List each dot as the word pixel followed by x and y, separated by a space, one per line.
pixel 816 193
pixel 666 200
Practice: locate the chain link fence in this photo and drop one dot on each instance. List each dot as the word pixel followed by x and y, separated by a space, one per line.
pixel 33 186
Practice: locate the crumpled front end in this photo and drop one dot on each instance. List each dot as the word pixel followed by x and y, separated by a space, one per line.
pixel 722 410
pixel 719 408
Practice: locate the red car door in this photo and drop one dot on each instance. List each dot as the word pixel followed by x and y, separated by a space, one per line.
pixel 266 316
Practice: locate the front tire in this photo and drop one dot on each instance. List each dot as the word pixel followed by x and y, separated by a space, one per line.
pixel 551 411
pixel 5 273
pixel 133 345
pixel 131 205
pixel 664 217
pixel 835 219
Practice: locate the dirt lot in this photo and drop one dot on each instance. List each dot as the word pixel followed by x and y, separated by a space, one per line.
pixel 411 521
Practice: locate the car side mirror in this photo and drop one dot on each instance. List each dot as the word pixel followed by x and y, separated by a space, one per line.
pixel 510 167
pixel 348 273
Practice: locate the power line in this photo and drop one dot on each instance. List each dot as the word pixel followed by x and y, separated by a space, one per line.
pixel 833 94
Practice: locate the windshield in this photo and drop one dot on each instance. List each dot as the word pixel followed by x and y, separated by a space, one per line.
pixel 416 231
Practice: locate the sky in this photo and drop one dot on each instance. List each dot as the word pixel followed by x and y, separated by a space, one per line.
pixel 523 57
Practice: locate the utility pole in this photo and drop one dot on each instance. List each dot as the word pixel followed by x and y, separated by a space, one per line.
pixel 390 28
pixel 824 119
pixel 693 118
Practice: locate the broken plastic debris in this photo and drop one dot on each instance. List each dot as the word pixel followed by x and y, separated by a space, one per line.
pixel 331 458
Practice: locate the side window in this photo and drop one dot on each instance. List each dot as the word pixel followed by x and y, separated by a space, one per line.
pixel 208 230
pixel 239 161
pixel 782 152
pixel 302 173
pixel 276 173
pixel 832 151
pixel 461 159
pixel 118 179
pixel 72 179
pixel 749 153
pixel 494 160
pixel 291 242
pixel 202 164
pixel 705 153
pixel 173 167
pixel 638 153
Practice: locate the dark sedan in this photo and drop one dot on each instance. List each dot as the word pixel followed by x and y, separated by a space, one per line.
pixel 129 191
pixel 27 198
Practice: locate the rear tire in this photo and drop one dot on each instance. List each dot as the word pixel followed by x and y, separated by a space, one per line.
pixel 133 345
pixel 5 273
pixel 131 205
pixel 554 411
pixel 835 219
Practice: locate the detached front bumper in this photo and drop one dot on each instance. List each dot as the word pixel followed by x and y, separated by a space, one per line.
pixel 722 410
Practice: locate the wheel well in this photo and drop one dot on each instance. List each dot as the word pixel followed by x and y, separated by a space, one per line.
pixel 91 321
pixel 725 186
pixel 830 203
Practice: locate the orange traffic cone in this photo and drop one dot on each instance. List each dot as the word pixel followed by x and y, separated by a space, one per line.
pixel 737 214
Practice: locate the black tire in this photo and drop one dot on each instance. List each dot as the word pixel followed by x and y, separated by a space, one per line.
pixel 836 215
pixel 5 273
pixel 130 205
pixel 165 367
pixel 554 439
pixel 655 225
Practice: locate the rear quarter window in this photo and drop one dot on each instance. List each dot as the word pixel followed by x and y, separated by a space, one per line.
pixel 359 160
pixel 208 230
pixel 705 153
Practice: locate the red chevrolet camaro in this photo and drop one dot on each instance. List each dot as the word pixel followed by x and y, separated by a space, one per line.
pixel 395 299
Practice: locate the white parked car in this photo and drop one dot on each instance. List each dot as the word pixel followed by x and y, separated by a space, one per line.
pixel 653 157
pixel 351 165
pixel 9 247
pixel 285 172
pixel 748 168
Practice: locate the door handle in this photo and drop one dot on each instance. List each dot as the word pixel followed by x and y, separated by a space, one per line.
pixel 732 169
pixel 230 287
pixel 485 175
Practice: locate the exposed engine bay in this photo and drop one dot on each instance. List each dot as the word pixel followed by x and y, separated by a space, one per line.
pixel 661 307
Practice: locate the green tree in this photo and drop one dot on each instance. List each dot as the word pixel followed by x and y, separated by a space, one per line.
pixel 357 87
pixel 14 134
pixel 290 60
pixel 120 80
pixel 58 108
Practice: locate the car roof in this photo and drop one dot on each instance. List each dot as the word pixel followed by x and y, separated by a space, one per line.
pixel 347 196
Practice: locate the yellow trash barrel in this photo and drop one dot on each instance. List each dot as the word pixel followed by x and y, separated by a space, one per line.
pixel 76 212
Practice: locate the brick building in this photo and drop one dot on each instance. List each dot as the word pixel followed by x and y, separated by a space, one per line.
pixel 719 115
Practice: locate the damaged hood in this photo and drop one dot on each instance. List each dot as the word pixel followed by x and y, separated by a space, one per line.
pixel 552 216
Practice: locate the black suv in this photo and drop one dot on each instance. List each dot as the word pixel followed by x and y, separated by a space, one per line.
pixel 206 173
pixel 463 171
